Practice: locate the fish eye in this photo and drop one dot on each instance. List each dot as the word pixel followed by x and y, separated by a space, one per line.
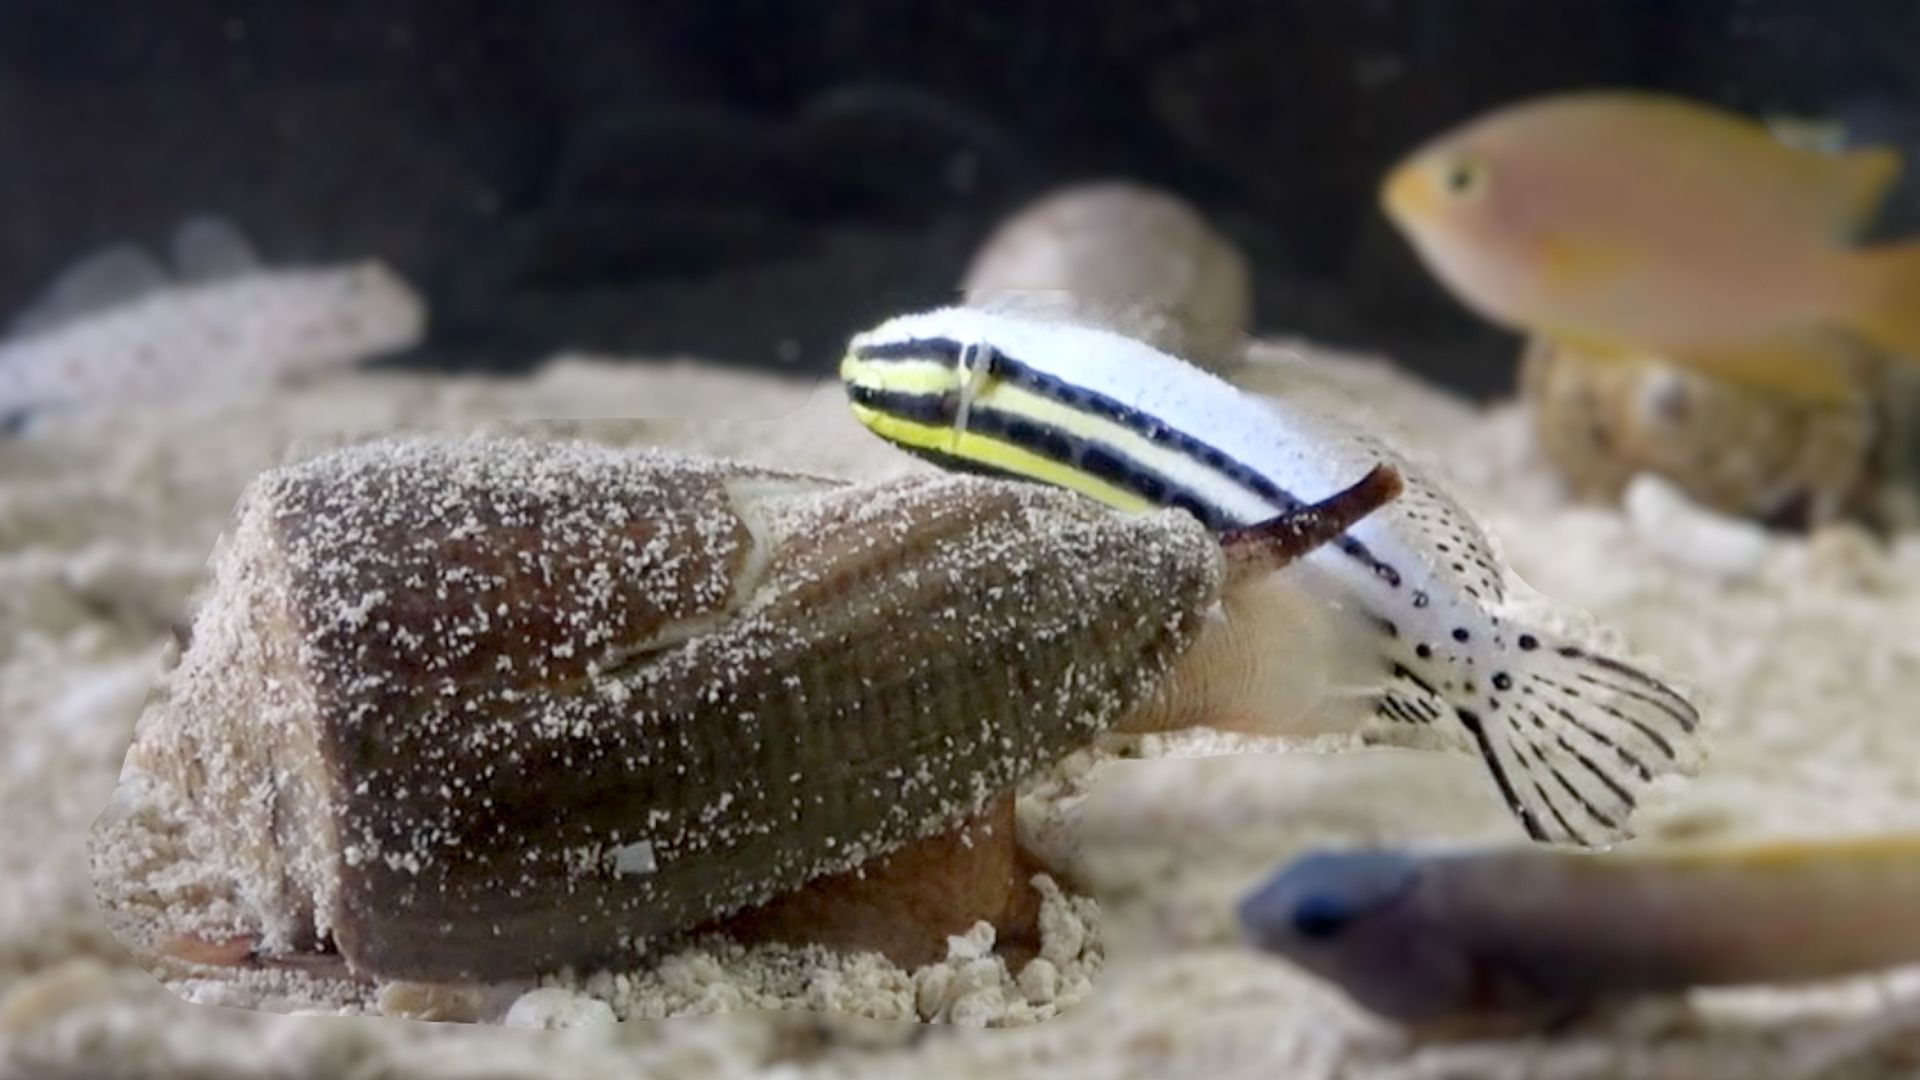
pixel 1321 917
pixel 1463 177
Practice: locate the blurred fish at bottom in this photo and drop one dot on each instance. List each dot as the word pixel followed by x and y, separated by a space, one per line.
pixel 1536 935
pixel 1637 225
pixel 121 327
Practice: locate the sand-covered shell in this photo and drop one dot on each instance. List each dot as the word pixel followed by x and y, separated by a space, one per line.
pixel 483 709
pixel 1738 452
pixel 1125 258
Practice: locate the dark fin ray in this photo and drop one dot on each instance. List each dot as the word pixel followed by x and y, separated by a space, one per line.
pixel 1624 797
pixel 1626 757
pixel 1682 713
pixel 1396 706
pixel 1567 832
pixel 1563 799
pixel 1650 689
pixel 1492 756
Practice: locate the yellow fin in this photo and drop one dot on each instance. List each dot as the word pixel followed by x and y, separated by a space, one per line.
pixel 1856 183
pixel 1886 280
pixel 1792 854
pixel 1811 369
pixel 1593 348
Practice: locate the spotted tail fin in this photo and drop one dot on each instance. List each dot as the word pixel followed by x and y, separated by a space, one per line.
pixel 1575 741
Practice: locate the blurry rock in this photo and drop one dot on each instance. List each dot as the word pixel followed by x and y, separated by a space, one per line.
pixel 1123 257
pixel 1728 449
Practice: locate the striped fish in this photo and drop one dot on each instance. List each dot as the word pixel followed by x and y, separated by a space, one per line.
pixel 1571 738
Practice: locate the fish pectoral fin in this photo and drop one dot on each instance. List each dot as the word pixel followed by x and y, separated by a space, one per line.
pixel 1564 262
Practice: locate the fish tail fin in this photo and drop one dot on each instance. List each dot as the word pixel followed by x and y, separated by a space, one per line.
pixel 1861 179
pixel 1887 279
pixel 1576 742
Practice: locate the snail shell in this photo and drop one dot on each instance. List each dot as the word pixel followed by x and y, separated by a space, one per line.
pixel 484 709
pixel 1602 422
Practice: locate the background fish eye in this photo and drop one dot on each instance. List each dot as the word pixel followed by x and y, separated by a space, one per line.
pixel 1463 177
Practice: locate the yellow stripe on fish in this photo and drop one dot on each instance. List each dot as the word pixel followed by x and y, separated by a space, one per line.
pixel 1002 456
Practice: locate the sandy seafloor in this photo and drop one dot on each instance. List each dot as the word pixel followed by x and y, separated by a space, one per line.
pixel 1807 651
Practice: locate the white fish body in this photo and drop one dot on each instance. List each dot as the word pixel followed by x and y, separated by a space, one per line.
pixel 120 329
pixel 1570 737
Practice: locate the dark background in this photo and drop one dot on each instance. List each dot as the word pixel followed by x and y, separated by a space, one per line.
pixel 753 180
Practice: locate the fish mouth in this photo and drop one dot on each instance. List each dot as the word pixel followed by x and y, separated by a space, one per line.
pixel 1406 196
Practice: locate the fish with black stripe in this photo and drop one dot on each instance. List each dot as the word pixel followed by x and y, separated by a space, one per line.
pixel 1573 739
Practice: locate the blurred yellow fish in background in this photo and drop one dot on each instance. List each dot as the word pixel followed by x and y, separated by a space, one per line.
pixel 1634 225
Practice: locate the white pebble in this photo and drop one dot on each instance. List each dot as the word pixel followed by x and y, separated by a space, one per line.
pixel 1039 981
pixel 1686 533
pixel 551 1008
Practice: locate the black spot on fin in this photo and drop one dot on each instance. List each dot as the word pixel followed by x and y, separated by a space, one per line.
pixel 1445 526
